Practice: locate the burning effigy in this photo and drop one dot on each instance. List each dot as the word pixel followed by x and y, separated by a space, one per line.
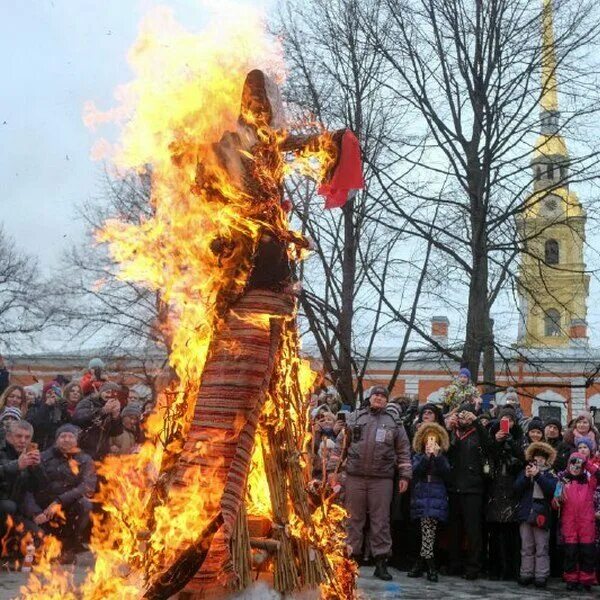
pixel 218 495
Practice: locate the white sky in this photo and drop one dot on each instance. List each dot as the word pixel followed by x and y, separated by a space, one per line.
pixel 55 55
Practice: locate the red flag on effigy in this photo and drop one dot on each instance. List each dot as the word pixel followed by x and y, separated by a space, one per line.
pixel 347 175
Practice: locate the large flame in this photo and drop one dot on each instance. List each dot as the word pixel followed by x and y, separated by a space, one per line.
pixel 185 95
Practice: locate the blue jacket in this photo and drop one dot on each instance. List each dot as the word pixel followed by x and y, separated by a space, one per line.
pixel 429 497
pixel 524 489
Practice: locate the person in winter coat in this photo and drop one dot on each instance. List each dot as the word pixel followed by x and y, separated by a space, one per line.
pixel 19 472
pixel 132 435
pixel 427 413
pixel 94 378
pixel 47 415
pixel 470 447
pixel 377 448
pixel 14 395
pixel 429 497
pixel 535 487
pixel 535 432
pixel 501 510
pixel 578 522
pixel 68 480
pixel 553 436
pixel 583 427
pixel 72 393
pixel 99 418
pixel 461 391
pixel 9 415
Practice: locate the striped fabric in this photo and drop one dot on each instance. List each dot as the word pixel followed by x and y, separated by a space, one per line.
pixel 235 380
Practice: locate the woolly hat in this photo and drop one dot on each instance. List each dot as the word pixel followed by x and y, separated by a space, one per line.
pixel 434 408
pixel 537 448
pixel 378 389
pixel 464 371
pixel 11 412
pixel 52 385
pixel 68 428
pixel 109 386
pixel 535 423
pixel 132 410
pixel 589 443
pixel 508 411
pixel 555 422
pixel 466 406
pixel 511 396
pixel 96 363
pixel 578 455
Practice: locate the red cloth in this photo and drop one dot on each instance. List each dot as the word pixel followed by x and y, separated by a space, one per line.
pixel 347 175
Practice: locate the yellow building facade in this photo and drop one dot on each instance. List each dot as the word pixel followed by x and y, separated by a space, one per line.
pixel 553 284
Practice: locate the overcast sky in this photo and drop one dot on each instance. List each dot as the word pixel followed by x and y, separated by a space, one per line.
pixel 56 55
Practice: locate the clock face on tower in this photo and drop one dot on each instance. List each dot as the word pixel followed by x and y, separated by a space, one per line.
pixel 551 206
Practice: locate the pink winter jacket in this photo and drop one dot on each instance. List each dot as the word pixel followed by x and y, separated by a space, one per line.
pixel 578 520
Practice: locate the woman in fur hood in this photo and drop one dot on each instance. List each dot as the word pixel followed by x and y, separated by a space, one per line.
pixel 429 499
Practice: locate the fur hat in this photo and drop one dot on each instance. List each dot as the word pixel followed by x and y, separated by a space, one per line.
pixel 535 423
pixel 511 396
pixel 427 429
pixel 540 448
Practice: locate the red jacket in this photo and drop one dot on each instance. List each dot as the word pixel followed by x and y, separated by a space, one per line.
pixel 578 520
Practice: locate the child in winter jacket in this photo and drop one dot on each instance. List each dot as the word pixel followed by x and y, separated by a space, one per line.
pixel 535 486
pixel 429 498
pixel 578 528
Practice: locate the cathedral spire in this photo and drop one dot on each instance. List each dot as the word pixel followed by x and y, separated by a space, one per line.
pixel 549 100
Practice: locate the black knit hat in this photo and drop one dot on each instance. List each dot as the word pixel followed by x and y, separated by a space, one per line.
pixel 535 423
pixel 555 422
pixel 508 411
pixel 379 389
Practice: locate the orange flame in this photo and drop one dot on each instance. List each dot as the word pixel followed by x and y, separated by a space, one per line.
pixel 185 96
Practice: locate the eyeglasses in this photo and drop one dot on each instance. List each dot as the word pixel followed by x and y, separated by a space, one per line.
pixel 576 461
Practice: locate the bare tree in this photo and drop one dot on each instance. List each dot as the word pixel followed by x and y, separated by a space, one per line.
pixel 471 74
pixel 356 288
pixel 25 303
pixel 98 308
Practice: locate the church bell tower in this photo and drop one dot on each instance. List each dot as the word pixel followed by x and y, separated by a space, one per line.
pixel 553 285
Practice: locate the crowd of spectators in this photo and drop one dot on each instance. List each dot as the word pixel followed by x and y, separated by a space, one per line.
pixel 50 437
pixel 489 492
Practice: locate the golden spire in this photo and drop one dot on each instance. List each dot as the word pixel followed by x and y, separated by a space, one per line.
pixel 549 99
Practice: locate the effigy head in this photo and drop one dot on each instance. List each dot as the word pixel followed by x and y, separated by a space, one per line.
pixel 261 101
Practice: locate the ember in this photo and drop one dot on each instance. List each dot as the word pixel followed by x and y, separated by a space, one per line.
pixel 225 449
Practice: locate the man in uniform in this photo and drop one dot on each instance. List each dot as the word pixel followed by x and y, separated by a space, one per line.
pixel 377 448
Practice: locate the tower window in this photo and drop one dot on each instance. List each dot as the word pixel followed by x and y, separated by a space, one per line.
pixel 563 173
pixel 538 173
pixel 551 252
pixel 552 323
pixel 550 171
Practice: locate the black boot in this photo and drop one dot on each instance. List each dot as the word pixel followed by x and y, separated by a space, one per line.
pixel 417 570
pixel 431 570
pixel 381 571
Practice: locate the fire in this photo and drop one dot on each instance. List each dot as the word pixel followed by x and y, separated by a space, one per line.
pixel 185 96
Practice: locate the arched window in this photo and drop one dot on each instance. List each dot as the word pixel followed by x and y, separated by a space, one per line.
pixel 552 323
pixel 551 252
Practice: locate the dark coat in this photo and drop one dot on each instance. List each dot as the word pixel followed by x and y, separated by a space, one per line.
pixel 46 420
pixel 97 428
pixel 524 489
pixel 14 482
pixel 429 497
pixel 467 454
pixel 65 479
pixel 507 461
pixel 563 451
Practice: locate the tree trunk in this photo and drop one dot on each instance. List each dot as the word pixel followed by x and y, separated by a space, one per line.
pixel 345 373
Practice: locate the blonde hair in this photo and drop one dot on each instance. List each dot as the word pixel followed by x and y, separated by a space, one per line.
pixel 8 391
